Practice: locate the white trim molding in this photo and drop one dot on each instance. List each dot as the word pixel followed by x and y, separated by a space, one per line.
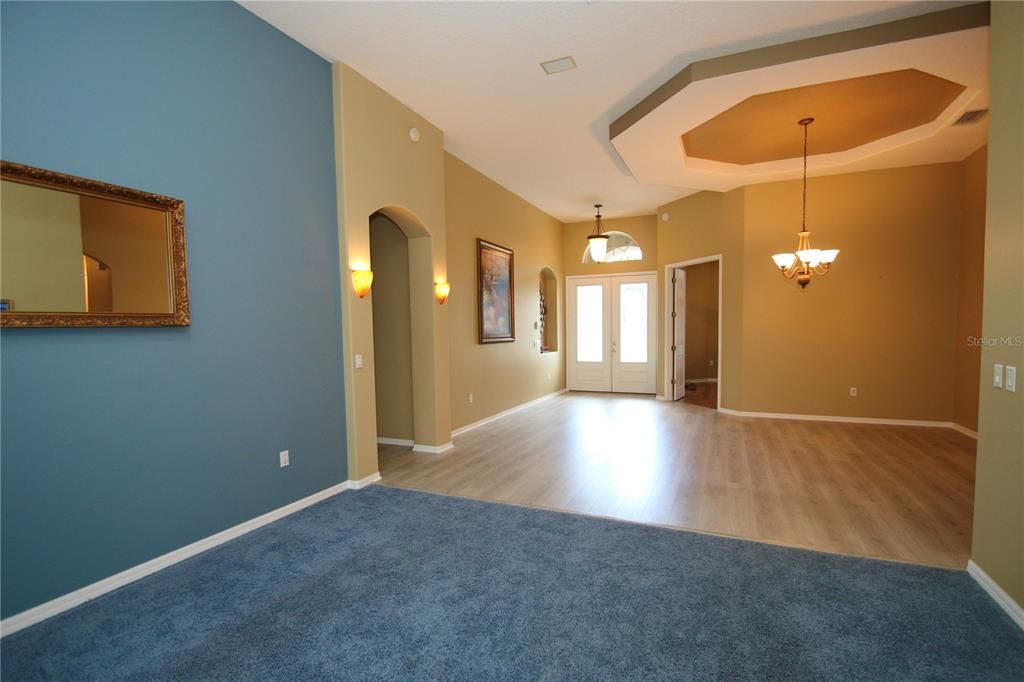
pixel 666 358
pixel 433 449
pixel 998 594
pixel 964 430
pixel 36 614
pixel 363 482
pixel 712 380
pixel 405 442
pixel 486 420
pixel 836 418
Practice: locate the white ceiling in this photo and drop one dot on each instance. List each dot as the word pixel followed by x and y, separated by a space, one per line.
pixel 472 68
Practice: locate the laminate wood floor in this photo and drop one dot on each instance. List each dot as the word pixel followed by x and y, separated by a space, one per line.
pixel 892 492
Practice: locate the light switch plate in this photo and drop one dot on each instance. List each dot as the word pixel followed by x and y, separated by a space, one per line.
pixel 359 360
pixel 1011 379
pixel 283 458
pixel 997 377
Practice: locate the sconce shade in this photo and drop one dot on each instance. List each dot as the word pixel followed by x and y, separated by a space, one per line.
pixel 362 280
pixel 441 291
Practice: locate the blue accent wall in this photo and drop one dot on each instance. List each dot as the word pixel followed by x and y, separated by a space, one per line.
pixel 119 445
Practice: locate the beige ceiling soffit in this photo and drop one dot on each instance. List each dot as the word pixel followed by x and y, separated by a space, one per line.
pixel 936 23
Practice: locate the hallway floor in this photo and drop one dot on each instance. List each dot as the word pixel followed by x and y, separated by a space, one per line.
pixel 892 492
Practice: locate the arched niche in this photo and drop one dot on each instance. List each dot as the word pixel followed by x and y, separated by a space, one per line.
pixel 549 311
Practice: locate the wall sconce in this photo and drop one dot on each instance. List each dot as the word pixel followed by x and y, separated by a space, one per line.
pixel 362 280
pixel 441 291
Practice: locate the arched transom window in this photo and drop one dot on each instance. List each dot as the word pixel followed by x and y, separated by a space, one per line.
pixel 621 247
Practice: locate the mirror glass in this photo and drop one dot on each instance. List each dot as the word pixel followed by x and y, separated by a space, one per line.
pixel 65 252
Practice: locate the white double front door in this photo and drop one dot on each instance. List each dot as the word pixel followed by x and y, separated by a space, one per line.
pixel 611 329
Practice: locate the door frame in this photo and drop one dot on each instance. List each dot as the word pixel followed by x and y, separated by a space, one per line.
pixel 568 281
pixel 666 358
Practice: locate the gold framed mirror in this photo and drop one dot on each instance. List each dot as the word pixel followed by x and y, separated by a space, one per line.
pixel 76 252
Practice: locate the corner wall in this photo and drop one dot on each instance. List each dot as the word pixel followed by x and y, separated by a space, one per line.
pixel 499 375
pixel 998 546
pixel 380 168
pixel 970 285
pixel 120 445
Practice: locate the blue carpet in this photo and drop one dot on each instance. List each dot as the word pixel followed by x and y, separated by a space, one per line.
pixel 393 584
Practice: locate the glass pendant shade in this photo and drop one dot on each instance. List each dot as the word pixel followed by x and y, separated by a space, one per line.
pixel 828 256
pixel 784 260
pixel 598 246
pixel 810 257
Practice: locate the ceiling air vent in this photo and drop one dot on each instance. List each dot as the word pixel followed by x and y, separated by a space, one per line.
pixel 971 117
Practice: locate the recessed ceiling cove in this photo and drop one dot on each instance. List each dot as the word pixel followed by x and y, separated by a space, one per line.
pixel 848 113
pixel 884 96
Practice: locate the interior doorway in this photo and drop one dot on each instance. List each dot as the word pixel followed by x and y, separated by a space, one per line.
pixel 611 330
pixel 392 332
pixel 693 330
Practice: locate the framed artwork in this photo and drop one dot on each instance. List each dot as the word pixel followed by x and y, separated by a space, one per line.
pixel 495 274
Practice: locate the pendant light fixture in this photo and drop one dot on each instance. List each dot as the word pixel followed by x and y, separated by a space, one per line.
pixel 806 261
pixel 598 239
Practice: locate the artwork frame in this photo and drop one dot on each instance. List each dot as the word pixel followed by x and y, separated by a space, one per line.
pixel 495 292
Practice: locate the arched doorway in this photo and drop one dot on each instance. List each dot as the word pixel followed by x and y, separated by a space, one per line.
pixel 405 355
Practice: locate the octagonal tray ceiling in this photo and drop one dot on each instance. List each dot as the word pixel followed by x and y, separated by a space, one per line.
pixel 882 97
pixel 849 113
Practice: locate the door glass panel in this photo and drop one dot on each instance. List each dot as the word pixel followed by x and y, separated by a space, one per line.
pixel 590 323
pixel 633 322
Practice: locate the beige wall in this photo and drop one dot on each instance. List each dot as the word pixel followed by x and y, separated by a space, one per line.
pixel 701 225
pixel 882 321
pixel 970 283
pixel 998 543
pixel 132 240
pixel 41 249
pixel 392 329
pixel 499 375
pixel 644 229
pixel 701 321
pixel 381 169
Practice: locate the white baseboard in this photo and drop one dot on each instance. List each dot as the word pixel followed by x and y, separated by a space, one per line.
pixel 469 427
pixel 835 418
pixel 34 615
pixel 395 441
pixel 433 449
pixel 363 482
pixel 964 430
pixel 1005 601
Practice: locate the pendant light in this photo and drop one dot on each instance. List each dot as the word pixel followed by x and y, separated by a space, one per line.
pixel 598 239
pixel 806 261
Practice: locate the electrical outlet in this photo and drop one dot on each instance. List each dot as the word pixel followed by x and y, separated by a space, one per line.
pixel 359 360
pixel 471 398
pixel 1011 379
pixel 997 377
pixel 283 457
pixel 853 391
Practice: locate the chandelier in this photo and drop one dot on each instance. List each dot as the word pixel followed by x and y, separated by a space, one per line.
pixel 598 239
pixel 806 262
